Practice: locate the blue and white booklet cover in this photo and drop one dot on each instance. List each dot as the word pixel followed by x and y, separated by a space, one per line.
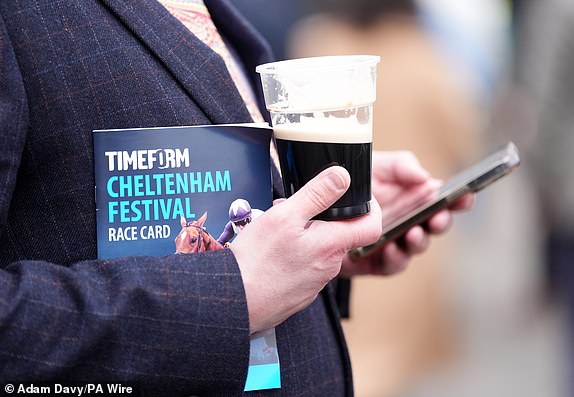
pixel 187 190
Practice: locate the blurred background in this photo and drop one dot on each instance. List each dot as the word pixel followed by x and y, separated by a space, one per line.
pixel 487 311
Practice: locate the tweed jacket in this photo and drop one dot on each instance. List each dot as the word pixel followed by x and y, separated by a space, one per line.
pixel 173 325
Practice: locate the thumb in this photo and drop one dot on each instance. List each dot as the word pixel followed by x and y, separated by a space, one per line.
pixel 319 193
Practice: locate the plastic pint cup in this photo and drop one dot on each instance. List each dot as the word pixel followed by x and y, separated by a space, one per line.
pixel 322 115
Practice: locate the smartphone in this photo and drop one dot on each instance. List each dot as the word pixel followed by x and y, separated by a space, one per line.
pixel 472 179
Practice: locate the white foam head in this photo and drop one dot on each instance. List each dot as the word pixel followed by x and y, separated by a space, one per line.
pixel 327 129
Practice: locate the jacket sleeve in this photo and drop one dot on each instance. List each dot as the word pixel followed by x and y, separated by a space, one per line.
pixel 173 325
pixel 178 320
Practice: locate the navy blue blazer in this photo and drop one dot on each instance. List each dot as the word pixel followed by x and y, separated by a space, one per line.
pixel 175 325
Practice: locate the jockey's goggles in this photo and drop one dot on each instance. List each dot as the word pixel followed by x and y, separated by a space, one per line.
pixel 243 222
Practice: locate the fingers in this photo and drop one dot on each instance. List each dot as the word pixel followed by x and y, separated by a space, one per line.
pixel 401 166
pixel 350 233
pixel 318 194
pixel 396 255
pixel 394 260
pixel 440 222
pixel 410 198
pixel 464 203
pixel 416 240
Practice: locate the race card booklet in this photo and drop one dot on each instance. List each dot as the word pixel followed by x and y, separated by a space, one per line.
pixel 187 190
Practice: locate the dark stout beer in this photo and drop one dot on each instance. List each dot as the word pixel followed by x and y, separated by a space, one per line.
pixel 321 113
pixel 301 161
pixel 308 143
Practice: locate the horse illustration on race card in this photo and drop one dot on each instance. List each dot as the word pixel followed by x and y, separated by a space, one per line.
pixel 193 237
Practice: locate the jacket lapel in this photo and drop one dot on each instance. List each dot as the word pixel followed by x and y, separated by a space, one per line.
pixel 200 71
pixel 250 46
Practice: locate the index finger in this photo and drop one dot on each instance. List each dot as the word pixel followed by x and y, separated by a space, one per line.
pixel 399 166
pixel 464 203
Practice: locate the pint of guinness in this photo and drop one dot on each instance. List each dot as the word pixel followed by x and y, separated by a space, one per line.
pixel 321 111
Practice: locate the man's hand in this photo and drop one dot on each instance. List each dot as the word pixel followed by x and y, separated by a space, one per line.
pixel 399 181
pixel 286 258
